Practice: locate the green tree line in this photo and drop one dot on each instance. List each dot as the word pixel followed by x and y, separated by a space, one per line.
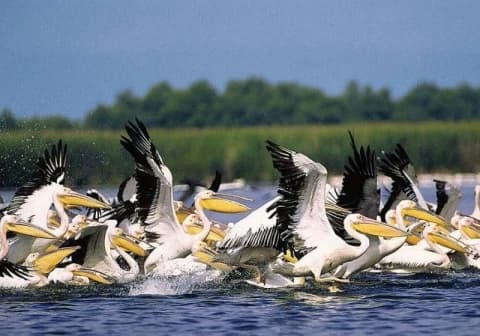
pixel 254 101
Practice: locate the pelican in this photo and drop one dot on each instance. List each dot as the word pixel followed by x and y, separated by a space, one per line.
pixel 43 265
pixel 101 246
pixel 12 275
pixel 155 204
pixel 172 241
pixel 75 274
pixel 428 257
pixel 252 243
pixel 33 200
pixel 302 210
pixel 379 248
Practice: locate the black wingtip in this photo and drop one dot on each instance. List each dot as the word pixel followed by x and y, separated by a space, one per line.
pixel 215 185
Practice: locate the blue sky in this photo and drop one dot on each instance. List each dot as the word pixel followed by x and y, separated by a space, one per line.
pixel 65 57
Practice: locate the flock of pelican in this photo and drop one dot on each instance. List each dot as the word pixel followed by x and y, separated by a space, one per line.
pixel 310 232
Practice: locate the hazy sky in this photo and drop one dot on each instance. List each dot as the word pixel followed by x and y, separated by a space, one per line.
pixel 65 57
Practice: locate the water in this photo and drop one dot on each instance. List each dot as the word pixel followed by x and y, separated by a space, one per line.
pixel 201 304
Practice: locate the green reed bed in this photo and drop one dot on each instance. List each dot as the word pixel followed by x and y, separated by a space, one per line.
pixel 97 158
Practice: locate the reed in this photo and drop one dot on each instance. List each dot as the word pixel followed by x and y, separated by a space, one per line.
pixel 97 158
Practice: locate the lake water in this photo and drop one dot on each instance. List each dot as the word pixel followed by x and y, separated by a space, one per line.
pixel 377 303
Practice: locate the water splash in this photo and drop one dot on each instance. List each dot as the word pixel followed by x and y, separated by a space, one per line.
pixel 177 277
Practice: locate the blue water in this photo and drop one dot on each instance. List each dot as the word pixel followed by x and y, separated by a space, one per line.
pixel 377 303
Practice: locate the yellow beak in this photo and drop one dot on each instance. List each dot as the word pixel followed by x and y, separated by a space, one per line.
pixel 471 232
pixel 375 228
pixel 289 257
pixel 182 213
pixel 205 255
pixel 215 233
pixel 425 215
pixel 444 240
pixel 129 243
pixel 94 275
pixel 47 261
pixel 29 230
pixel 223 205
pixel 415 235
pixel 72 198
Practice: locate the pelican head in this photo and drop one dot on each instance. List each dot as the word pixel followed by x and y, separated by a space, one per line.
pixel 410 208
pixel 46 262
pixel 89 273
pixel 31 258
pixel 469 227
pixel 11 223
pixel 441 236
pixel 70 198
pixel 193 225
pixel 127 242
pixel 369 226
pixel 217 202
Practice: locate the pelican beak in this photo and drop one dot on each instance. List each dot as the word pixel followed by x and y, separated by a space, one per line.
pixel 471 232
pixel 94 275
pixel 182 213
pixel 219 203
pixel 72 198
pixel 443 238
pixel 206 255
pixel 375 228
pixel 215 234
pixel 53 222
pixel 425 215
pixel 47 261
pixel 129 243
pixel 29 230
pixel 413 239
pixel 289 257
pixel 415 233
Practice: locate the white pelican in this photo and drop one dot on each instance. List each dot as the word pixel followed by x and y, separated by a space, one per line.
pixel 12 275
pixel 172 241
pixel 429 257
pixel 75 274
pixel 155 204
pixel 101 245
pixel 379 248
pixel 302 211
pixel 33 200
pixel 252 243
pixel 41 265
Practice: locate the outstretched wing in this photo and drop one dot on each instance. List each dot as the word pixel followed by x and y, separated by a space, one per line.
pixel 359 192
pixel 399 168
pixel 154 183
pixel 301 216
pixel 258 229
pixel 50 170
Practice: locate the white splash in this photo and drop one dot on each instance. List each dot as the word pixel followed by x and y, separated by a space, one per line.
pixel 177 277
